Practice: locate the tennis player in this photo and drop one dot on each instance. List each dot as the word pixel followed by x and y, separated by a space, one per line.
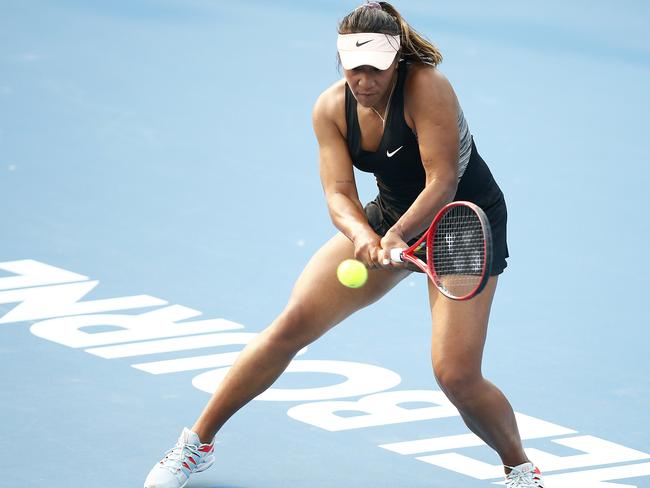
pixel 395 115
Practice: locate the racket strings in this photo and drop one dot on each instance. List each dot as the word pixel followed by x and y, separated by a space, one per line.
pixel 458 251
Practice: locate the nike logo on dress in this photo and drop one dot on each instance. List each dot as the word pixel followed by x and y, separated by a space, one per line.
pixel 359 44
pixel 391 154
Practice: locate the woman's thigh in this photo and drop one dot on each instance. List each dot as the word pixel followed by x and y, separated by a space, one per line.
pixel 459 329
pixel 319 301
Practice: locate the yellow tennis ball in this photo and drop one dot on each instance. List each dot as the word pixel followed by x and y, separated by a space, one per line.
pixel 352 273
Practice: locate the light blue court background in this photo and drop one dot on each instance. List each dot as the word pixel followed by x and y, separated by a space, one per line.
pixel 165 148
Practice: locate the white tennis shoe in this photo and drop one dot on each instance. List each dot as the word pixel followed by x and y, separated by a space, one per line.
pixel 524 476
pixel 188 456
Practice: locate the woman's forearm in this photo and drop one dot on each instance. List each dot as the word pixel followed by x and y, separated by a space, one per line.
pixel 347 215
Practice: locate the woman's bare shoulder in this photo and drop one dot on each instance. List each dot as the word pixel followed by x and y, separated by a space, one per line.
pixel 330 104
pixel 428 91
pixel 425 79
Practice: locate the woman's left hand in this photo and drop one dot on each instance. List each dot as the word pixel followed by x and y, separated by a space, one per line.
pixel 391 240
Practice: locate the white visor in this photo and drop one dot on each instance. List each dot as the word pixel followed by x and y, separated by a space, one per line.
pixel 369 48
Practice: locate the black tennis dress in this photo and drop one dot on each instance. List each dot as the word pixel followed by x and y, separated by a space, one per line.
pixel 400 175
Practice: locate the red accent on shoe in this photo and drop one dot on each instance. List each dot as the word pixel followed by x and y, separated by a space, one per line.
pixel 537 476
pixel 192 459
pixel 185 464
pixel 206 448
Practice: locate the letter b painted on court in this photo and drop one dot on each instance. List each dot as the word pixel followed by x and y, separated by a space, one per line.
pixel 379 409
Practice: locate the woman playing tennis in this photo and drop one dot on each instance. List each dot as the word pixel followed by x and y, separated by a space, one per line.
pixel 395 115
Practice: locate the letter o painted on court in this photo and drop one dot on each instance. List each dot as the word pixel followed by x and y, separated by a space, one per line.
pixel 361 379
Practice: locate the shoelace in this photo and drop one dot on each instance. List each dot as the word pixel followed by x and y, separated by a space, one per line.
pixel 176 456
pixel 519 479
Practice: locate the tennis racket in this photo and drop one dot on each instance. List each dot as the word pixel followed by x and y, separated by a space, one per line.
pixel 455 252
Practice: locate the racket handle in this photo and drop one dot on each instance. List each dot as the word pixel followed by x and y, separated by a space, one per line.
pixel 396 255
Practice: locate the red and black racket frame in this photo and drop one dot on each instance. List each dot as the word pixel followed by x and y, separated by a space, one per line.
pixel 428 267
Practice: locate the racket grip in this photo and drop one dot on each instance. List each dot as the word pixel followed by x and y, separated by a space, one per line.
pixel 396 255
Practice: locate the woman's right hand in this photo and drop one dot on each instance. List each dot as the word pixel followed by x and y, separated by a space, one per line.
pixel 366 249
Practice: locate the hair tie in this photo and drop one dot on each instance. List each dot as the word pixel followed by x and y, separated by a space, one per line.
pixel 369 5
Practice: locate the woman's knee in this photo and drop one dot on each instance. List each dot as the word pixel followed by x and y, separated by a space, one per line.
pixel 457 380
pixel 295 328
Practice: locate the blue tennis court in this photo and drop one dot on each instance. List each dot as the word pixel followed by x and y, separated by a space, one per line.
pixel 161 194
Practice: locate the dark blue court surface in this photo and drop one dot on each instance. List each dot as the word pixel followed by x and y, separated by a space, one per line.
pixel 160 194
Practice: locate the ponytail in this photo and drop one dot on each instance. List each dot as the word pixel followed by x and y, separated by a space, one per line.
pixel 415 48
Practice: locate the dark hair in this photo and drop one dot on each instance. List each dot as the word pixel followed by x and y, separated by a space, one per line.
pixel 383 18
